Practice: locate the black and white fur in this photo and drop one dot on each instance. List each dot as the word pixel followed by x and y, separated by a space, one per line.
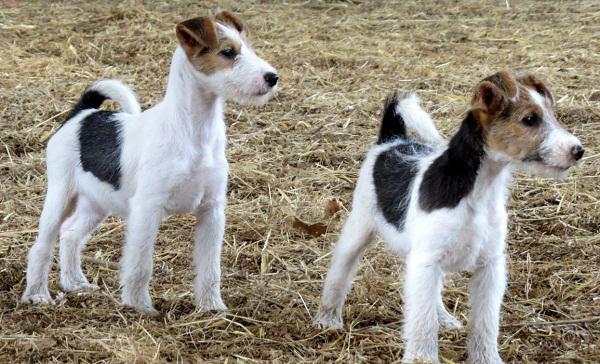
pixel 145 166
pixel 442 206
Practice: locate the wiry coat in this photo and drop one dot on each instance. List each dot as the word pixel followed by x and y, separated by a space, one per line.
pixel 443 206
pixel 147 165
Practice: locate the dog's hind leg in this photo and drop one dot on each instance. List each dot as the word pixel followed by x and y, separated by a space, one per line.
pixel 74 233
pixel 57 206
pixel 446 319
pixel 354 239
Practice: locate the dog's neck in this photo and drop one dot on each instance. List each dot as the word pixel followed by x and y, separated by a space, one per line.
pixel 190 106
pixel 463 171
pixel 492 180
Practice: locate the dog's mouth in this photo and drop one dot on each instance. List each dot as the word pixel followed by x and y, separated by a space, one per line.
pixel 544 168
pixel 538 159
pixel 266 91
pixel 555 167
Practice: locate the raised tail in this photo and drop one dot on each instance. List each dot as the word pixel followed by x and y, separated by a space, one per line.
pixel 402 111
pixel 392 124
pixel 103 90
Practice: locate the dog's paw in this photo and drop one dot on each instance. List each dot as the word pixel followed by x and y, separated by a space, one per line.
pixel 328 319
pixel 71 285
pixel 211 305
pixel 485 358
pixel 37 299
pixel 147 310
pixel 448 321
pixel 141 302
pixel 418 359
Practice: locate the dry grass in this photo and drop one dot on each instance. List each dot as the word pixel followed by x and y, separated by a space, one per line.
pixel 337 60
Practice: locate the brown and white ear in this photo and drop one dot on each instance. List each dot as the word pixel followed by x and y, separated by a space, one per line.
pixel 196 35
pixel 536 83
pixel 489 100
pixel 233 21
pixel 506 82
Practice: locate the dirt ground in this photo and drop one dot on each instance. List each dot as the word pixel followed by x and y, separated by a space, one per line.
pixel 297 158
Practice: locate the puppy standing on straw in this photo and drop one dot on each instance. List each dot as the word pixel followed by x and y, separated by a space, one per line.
pixel 147 165
pixel 445 208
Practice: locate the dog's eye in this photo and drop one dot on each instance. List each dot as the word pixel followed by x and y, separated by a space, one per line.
pixel 531 120
pixel 229 53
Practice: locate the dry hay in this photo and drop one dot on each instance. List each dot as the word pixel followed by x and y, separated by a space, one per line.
pixel 289 161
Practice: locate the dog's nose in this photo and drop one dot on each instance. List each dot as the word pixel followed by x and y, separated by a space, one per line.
pixel 271 78
pixel 577 152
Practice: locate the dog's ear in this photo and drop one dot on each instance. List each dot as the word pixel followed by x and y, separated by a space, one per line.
pixel 197 35
pixel 233 21
pixel 529 79
pixel 505 81
pixel 492 95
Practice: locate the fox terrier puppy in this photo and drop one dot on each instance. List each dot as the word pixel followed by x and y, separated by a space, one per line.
pixel 146 165
pixel 443 206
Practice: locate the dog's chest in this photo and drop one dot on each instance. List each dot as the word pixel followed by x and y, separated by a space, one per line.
pixel 462 251
pixel 480 235
pixel 196 181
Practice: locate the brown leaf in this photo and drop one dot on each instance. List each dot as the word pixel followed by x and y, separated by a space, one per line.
pixel 331 208
pixel 315 230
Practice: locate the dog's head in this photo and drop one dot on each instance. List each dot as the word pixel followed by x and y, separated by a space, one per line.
pixel 219 51
pixel 517 114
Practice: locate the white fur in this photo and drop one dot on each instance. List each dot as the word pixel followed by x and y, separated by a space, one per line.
pixel 470 236
pixel 417 119
pixel 172 161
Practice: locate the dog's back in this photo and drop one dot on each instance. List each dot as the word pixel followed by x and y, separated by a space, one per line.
pixel 396 164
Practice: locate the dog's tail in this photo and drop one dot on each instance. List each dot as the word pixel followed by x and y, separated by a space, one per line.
pixel 402 111
pixel 103 90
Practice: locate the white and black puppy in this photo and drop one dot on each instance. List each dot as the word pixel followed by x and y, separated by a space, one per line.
pixel 444 206
pixel 147 165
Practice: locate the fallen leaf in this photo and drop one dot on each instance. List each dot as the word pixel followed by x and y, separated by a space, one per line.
pixel 315 230
pixel 331 208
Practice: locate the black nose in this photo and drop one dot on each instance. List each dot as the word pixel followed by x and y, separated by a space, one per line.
pixel 271 78
pixel 577 152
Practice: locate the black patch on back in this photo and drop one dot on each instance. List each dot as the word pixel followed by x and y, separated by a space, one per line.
pixel 100 147
pixel 392 124
pixel 393 173
pixel 452 175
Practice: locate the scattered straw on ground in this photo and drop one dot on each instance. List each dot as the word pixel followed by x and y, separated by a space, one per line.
pixel 289 160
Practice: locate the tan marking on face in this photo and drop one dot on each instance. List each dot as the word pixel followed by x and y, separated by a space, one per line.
pixel 210 61
pixel 501 111
pixel 509 134
pixel 197 33
pixel 203 42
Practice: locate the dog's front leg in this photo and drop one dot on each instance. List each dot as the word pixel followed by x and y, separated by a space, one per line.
pixel 422 291
pixel 486 290
pixel 136 263
pixel 210 226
